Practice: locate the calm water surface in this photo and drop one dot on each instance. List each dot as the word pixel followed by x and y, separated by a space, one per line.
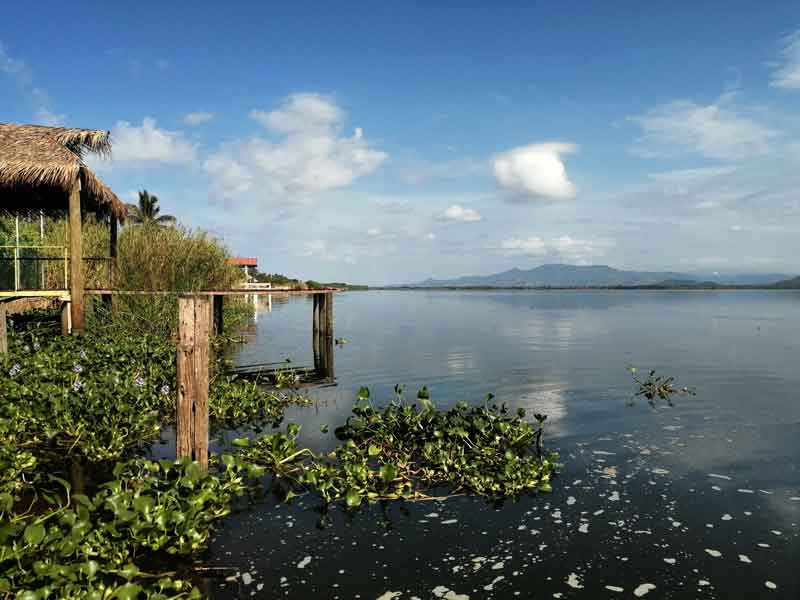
pixel 697 501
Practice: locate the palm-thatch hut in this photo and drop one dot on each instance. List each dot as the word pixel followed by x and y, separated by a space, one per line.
pixel 43 169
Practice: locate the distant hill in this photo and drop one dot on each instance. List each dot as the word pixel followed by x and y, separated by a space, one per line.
pixel 560 275
pixel 788 284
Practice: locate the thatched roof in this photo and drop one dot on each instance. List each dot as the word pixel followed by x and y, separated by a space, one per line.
pixel 39 165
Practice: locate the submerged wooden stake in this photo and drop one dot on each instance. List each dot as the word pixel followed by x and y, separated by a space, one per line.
pixel 194 314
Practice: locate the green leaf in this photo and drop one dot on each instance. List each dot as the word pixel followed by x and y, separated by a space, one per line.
pixel 34 534
pixel 129 571
pixel 129 591
pixel 241 442
pixel 352 498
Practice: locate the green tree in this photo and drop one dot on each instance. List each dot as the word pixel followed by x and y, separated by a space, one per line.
pixel 146 213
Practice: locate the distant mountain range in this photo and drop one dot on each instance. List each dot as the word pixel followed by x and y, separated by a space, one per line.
pixel 559 275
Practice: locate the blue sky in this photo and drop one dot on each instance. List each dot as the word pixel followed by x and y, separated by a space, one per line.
pixel 381 144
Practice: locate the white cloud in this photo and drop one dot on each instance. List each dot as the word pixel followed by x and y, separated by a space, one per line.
pixel 421 171
pixel 231 177
pixel 23 75
pixel 562 248
pixel 198 117
pixel 301 113
pixel 320 249
pixel 714 131
pixel 691 175
pixel 456 212
pixel 787 73
pixel 430 236
pixel 149 144
pixel 536 170
pixel 374 231
pixel 311 156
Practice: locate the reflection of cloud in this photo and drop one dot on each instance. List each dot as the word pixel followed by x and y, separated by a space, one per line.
pixel 459 362
pixel 545 398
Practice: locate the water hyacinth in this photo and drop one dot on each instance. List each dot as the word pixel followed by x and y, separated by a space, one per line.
pixel 77 368
pixel 83 354
pixel 139 381
pixel 165 390
pixel 14 370
pixel 77 386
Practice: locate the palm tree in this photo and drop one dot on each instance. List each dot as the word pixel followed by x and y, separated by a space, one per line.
pixel 146 213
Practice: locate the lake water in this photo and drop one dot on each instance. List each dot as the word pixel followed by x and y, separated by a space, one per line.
pixel 701 500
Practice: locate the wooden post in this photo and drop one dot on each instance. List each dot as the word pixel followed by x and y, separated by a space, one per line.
pixel 3 330
pixel 329 314
pixel 65 318
pixel 328 340
pixel 219 311
pixel 75 258
pixel 194 314
pixel 315 314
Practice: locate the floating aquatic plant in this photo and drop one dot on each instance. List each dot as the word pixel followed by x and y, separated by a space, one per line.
pixel 657 387
pixel 406 449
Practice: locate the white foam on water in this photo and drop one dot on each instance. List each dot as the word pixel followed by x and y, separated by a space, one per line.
pixel 660 471
pixel 714 553
pixel 670 561
pixel 584 528
pixel 570 500
pixel 614 497
pixel 744 491
pixel 490 587
pixel 389 595
pixel 726 517
pixel 449 521
pixel 574 581
pixel 718 476
pixel 643 589
pixel 304 563
pixel 770 585
pixel 614 588
pixel 744 558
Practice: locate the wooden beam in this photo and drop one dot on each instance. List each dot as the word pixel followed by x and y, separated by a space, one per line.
pixel 3 330
pixel 194 314
pixel 76 258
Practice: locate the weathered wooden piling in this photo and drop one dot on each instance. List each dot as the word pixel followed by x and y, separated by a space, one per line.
pixel 194 314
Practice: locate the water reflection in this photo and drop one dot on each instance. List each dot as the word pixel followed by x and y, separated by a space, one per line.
pixel 645 493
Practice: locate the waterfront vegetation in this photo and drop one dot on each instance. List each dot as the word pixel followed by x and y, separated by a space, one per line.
pixel 84 513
